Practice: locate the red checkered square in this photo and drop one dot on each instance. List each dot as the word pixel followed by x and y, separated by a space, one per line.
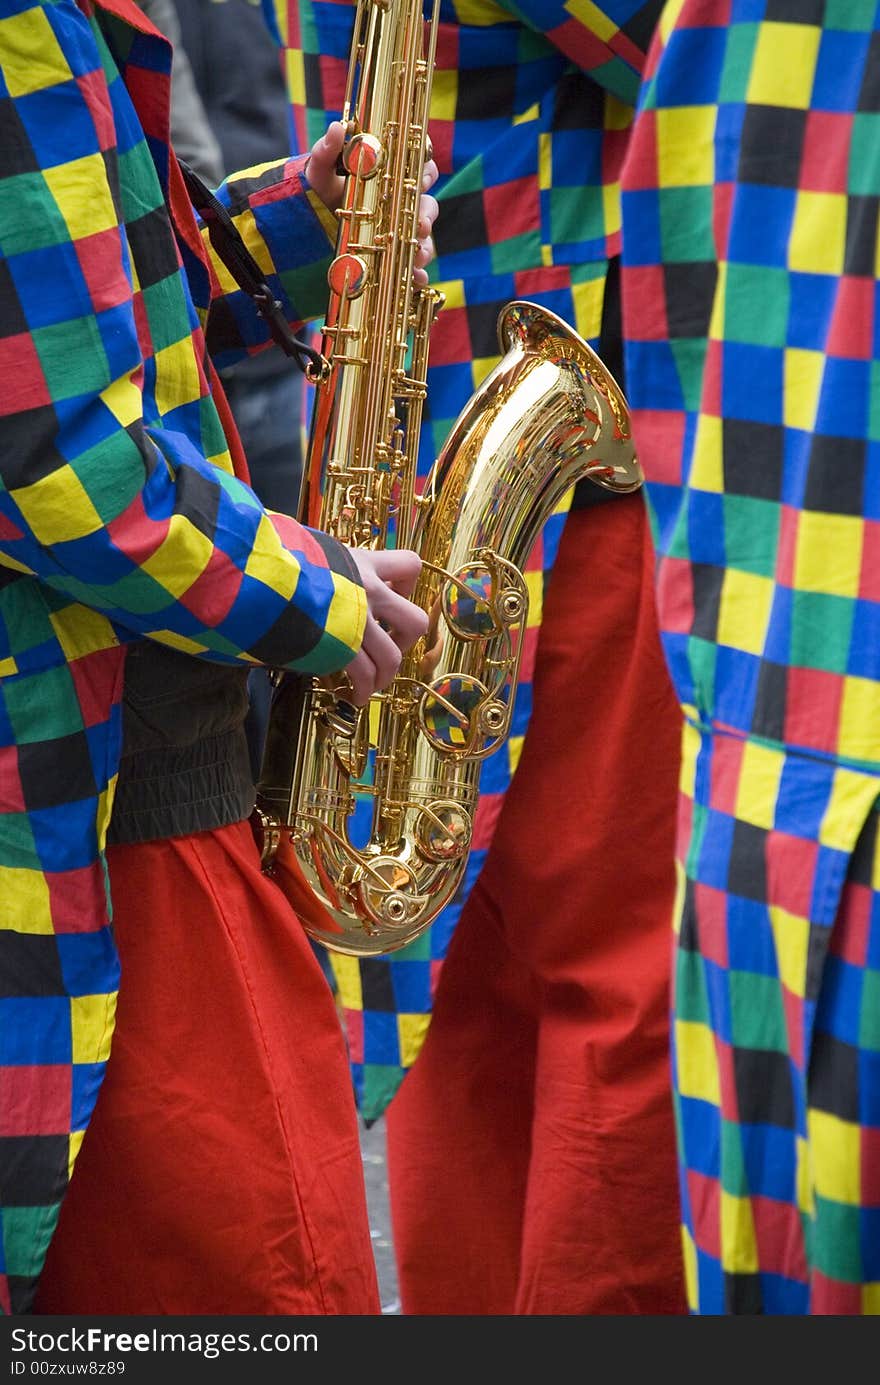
pixel 711 905
pixel 35 1100
pixel 851 334
pixel 779 1238
pixel 11 796
pixel 791 869
pixel 78 900
pixel 515 205
pixel 704 1197
pixel 813 708
pixel 22 382
pixel 213 594
pixel 644 284
pixel 676 596
pixel 849 940
pixel 825 159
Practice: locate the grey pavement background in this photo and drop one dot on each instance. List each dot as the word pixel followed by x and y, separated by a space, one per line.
pixel 376 1176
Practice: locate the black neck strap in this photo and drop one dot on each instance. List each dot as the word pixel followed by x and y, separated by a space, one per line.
pixel 231 249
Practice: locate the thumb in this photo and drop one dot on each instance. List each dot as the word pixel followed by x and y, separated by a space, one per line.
pixel 321 168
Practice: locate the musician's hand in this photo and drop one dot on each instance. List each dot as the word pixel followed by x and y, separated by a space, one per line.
pixel 428 210
pixel 322 174
pixel 393 623
pixel 321 167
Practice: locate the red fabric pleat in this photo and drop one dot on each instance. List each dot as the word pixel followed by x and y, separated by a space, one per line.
pixel 531 1146
pixel 221 1172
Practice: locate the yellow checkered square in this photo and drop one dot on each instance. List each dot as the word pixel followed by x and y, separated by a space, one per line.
pixel 82 194
pixel 828 553
pixel 177 376
pixel 739 1249
pixel 271 563
pixel 453 292
pixel 545 162
pixel 24 901
pixel 411 1031
pixel 707 469
pixel 32 59
pixel 348 981
pixel 803 375
pixel 58 508
pixel 784 65
pixel 744 611
pixel 758 787
pixel 791 938
pixel 588 298
pixel 593 18
pixel 834 1151
pixel 91 1026
pixel 817 243
pixel 686 146
pixel 124 400
pixel 184 552
pixel 295 70
pixel 444 95
pixel 481 13
pixel 82 631
pixel 697 1062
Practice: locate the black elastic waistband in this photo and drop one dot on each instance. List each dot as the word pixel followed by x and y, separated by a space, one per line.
pixel 173 791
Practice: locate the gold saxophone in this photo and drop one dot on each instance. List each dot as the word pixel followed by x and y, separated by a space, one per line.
pixel 547 415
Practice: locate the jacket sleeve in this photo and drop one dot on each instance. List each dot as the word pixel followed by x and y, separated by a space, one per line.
pixel 608 40
pixel 290 233
pixel 105 496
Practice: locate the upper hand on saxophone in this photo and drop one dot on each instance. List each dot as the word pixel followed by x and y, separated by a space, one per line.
pixel 389 575
pixel 323 175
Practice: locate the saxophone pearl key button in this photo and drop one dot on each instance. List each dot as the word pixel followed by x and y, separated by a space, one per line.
pixel 347 275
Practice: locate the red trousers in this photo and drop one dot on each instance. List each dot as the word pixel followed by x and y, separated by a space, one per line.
pixel 531 1147
pixel 221 1172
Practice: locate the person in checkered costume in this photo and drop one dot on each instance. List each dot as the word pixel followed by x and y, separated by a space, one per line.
pixel 751 192
pixel 140 578
pixel 531 1151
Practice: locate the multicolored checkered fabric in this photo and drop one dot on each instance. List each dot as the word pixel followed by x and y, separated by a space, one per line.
pixel 750 210
pixel 530 114
pixel 120 516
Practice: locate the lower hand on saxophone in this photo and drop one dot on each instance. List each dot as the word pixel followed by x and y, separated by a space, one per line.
pixel 394 623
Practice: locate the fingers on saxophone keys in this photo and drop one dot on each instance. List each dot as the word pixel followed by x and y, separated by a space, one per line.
pixel 423 256
pixel 374 665
pixel 429 209
pixel 400 620
pixel 361 675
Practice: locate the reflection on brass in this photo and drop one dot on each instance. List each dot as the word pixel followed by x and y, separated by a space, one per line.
pixel 548 415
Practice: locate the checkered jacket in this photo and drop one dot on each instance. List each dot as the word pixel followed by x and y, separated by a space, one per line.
pixel 121 516
pixel 751 283
pixel 530 114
